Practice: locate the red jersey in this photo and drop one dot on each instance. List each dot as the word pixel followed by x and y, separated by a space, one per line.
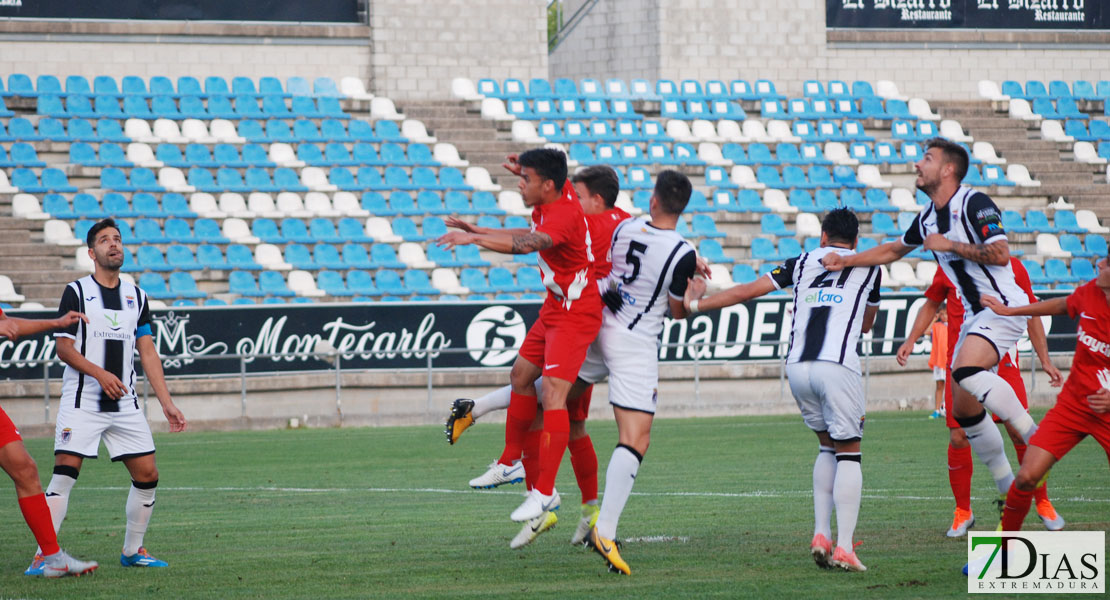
pixel 567 266
pixel 602 226
pixel 942 290
pixel 1090 369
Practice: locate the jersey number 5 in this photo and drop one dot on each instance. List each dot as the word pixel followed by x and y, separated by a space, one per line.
pixel 631 258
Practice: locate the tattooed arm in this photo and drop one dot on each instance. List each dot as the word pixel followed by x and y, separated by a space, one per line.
pixel 995 253
pixel 522 242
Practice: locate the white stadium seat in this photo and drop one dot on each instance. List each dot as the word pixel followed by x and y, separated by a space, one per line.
pixel 1020 109
pixel 1089 220
pixel 1049 245
pixel 196 132
pixel 204 204
pixel 902 274
pixel 755 131
pixel 776 201
pixel 304 284
pixel 904 199
pixel 290 204
pixel 82 259
pixel 989 89
pixel 729 131
pixel 780 131
pixel 838 153
pixel 167 131
pixel 269 256
pixel 926 270
pixel 238 231
pixel 889 90
pixel 234 205
pixel 680 131
pixel 383 108
pixel 353 88
pixel 463 88
pixel 173 179
pixel 1020 175
pixel 1052 131
pixel 415 131
pixel 261 204
pixel 284 155
pixel 493 108
pixel 139 131
pixel 59 233
pixel 705 131
pixel 872 177
pixel 319 205
pixel 744 176
pixel 524 132
pixel 446 281
pixel 985 152
pixel 26 206
pixel 380 230
pixel 624 202
pixel 7 290
pixel 479 179
pixel 412 254
pixel 448 155
pixel 1085 152
pixel 314 178
pixel 711 154
pixel 919 107
pixel 808 225
pixel 952 130
pixel 348 205
pixel 224 132
pixel 511 202
pixel 720 278
pixel 142 155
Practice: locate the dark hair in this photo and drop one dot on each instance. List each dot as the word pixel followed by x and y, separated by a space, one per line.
pixel 953 152
pixel 90 239
pixel 601 180
pixel 841 225
pixel 547 163
pixel 672 190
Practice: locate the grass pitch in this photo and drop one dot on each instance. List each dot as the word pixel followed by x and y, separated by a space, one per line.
pixel 722 508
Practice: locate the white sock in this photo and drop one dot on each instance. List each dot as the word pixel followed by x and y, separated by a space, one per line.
pixel 57 498
pixel 619 478
pixel 986 441
pixel 824 473
pixel 140 505
pixel 846 494
pixel 499 399
pixel 997 396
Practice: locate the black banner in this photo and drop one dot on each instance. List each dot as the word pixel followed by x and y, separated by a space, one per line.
pixel 967 14
pixel 315 11
pixel 402 336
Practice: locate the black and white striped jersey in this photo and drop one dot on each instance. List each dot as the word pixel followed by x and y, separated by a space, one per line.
pixel 117 318
pixel 649 265
pixel 828 307
pixel 970 217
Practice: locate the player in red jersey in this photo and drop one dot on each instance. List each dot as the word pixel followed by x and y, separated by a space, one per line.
pixel 19 465
pixel 960 464
pixel 597 188
pixel 1083 406
pixel 568 321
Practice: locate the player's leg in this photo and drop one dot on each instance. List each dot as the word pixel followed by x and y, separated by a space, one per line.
pixel 77 435
pixel 1045 510
pixel 841 391
pixel 975 356
pixel 465 412
pixel 960 469
pixel 1036 465
pixel 583 458
pixel 634 427
pixel 128 440
pixel 824 465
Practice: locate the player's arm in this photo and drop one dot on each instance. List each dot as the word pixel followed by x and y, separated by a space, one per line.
pixel 869 315
pixel 14 327
pixel 996 253
pixel 736 294
pixel 873 298
pixel 1055 306
pixel 925 316
pixel 67 352
pixel 984 221
pixel 152 368
pixel 504 242
pixel 879 255
pixel 1039 340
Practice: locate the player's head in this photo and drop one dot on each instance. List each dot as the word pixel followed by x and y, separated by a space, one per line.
pixel 543 171
pixel 840 226
pixel 944 161
pixel 597 185
pixel 672 192
pixel 105 244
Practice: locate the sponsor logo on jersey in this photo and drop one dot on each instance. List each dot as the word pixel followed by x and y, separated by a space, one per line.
pixel 823 297
pixel 990 229
pixel 113 319
pixel 130 302
pixel 499 330
pixel 1093 344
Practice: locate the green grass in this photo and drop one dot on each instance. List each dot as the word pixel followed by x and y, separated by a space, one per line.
pixel 358 513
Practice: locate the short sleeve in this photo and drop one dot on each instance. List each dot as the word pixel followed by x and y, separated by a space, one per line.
pixel 560 223
pixel 783 275
pixel 912 236
pixel 69 302
pixel 874 297
pixel 985 218
pixel 1075 301
pixel 684 269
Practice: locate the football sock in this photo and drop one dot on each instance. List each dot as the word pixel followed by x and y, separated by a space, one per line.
pixel 140 505
pixel 37 514
pixel 584 460
pixel 531 457
pixel 522 409
pixel 1017 506
pixel 553 444
pixel 1041 491
pixel 619 478
pixel 57 494
pixel 994 393
pixel 847 489
pixel 824 473
pixel 496 400
pixel 960 468
pixel 986 441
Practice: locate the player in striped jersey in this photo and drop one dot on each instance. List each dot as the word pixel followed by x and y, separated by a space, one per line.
pixel 831 311
pixel 18 464
pixel 651 265
pixel 98 399
pixel 963 229
pixel 597 188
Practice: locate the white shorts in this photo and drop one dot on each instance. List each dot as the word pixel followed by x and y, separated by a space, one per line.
pixel 830 397
pixel 1002 332
pixel 632 364
pixel 939 374
pixel 125 434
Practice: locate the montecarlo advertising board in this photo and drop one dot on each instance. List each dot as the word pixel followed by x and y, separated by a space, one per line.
pixel 395 336
pixel 967 14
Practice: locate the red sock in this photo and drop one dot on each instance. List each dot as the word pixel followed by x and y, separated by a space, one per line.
pixel 584 460
pixel 960 467
pixel 37 514
pixel 522 409
pixel 531 457
pixel 1041 493
pixel 553 444
pixel 1017 506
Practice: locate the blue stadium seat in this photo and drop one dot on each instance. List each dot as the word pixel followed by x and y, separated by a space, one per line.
pixel 711 251
pixel 1056 270
pixel 1082 270
pixel 273 283
pixel 181 258
pixel 244 284
pixel 183 285
pixel 764 249
pixel 155 286
pixel 327 256
pixel 1065 221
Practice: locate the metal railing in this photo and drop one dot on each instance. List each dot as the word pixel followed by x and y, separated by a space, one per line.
pixel 335 358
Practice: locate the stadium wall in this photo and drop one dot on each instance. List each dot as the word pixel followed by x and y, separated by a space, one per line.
pixel 787 42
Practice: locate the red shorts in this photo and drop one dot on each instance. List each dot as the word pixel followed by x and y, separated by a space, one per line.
pixel 1007 371
pixel 579 408
pixel 558 340
pixel 8 432
pixel 1063 426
